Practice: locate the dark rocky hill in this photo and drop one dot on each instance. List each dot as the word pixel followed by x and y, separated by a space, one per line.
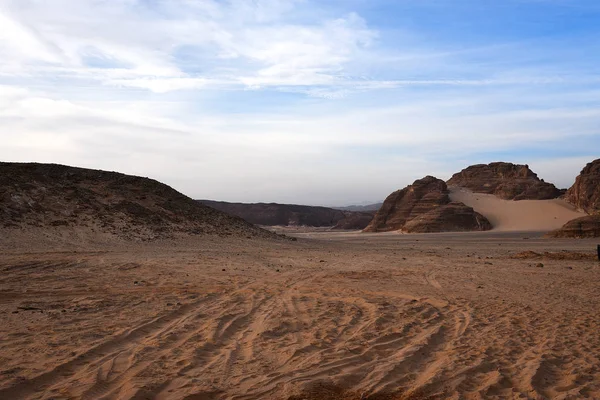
pixel 505 180
pixel 60 197
pixel 584 227
pixel 585 195
pixel 273 214
pixel 425 206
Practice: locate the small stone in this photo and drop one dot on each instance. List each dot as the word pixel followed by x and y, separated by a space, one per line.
pixel 539 265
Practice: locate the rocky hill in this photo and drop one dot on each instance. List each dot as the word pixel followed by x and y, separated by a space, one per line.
pixel 425 206
pixel 584 227
pixel 505 180
pixel 585 193
pixel 130 207
pixel 273 214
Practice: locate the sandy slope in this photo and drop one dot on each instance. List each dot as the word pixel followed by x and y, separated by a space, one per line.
pixel 523 215
pixel 344 317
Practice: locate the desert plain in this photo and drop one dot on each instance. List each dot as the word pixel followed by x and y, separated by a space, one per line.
pixel 331 315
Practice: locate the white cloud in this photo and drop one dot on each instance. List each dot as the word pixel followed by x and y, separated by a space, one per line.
pixel 126 43
pixel 272 100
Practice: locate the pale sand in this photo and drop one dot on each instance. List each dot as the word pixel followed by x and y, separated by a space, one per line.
pixel 522 215
pixel 348 316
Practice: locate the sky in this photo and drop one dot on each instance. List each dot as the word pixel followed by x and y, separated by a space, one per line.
pixel 330 102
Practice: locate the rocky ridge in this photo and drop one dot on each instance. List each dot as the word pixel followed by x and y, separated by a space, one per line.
pixel 274 214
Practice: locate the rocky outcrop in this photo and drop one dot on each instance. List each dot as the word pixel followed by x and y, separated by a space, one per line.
pixel 273 214
pixel 49 196
pixel 505 180
pixel 585 193
pixel 584 227
pixel 453 217
pixel 425 206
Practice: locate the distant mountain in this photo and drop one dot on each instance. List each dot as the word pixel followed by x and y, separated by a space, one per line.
pixel 51 196
pixel 365 208
pixel 274 214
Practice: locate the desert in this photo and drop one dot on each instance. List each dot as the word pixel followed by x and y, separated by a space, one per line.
pixel 168 299
pixel 299 200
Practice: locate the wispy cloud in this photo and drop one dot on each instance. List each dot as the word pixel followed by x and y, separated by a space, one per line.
pixel 296 101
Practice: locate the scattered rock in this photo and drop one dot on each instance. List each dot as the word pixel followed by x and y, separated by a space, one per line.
pixel 539 265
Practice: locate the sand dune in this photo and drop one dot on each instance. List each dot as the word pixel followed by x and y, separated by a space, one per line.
pixel 523 215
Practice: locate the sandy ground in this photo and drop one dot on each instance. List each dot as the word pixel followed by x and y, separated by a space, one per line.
pixel 338 316
pixel 508 215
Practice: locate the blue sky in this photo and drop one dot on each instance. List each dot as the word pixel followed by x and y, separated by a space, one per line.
pixel 315 102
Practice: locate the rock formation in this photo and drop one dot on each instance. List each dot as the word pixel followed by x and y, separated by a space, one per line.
pixel 453 217
pixel 584 227
pixel 57 196
pixel 425 206
pixel 585 193
pixel 505 180
pixel 273 214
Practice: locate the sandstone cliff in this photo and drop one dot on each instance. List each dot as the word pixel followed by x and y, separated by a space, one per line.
pixel 584 227
pixel 585 193
pixel 425 206
pixel 505 180
pixel 453 217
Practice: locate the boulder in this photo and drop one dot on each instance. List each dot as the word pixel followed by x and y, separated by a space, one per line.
pixel 505 180
pixel 585 193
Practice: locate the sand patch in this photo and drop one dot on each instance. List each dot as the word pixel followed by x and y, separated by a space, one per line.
pixel 523 215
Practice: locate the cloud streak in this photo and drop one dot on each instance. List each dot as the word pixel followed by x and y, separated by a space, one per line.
pixel 275 100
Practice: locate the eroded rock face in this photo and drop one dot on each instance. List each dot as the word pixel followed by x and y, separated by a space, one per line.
pixel 403 205
pixel 585 193
pixel 505 180
pixel 425 206
pixel 584 227
pixel 453 217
